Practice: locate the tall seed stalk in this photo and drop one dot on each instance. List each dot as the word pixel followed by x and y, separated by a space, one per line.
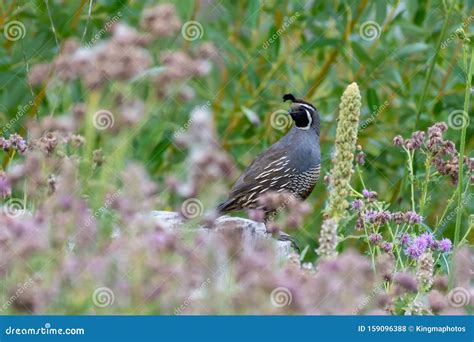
pixel 341 172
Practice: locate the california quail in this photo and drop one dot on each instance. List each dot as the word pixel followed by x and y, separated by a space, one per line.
pixel 292 164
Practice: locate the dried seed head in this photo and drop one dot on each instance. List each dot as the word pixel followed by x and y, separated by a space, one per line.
pixel 328 238
pixel 424 271
pixel 346 138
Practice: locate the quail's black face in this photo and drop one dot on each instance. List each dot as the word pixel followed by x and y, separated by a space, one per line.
pixel 302 113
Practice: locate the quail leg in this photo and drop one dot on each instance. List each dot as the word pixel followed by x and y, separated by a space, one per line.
pixel 282 235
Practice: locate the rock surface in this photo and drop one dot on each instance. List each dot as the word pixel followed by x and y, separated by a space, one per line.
pixel 252 231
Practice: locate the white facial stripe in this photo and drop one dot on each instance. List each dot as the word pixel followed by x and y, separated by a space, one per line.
pixel 307 106
pixel 310 120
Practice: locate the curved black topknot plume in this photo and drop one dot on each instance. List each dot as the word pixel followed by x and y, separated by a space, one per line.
pixel 290 97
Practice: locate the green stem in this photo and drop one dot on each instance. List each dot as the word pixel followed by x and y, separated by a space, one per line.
pixel 412 178
pixel 425 183
pixel 372 254
pixel 354 237
pixel 467 233
pixel 448 206
pixel 395 246
pixel 360 176
pixel 432 65
pixel 457 230
pixel 90 128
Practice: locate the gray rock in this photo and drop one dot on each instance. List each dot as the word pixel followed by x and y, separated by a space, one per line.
pixel 252 231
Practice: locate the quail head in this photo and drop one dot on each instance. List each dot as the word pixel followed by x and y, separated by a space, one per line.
pixel 292 164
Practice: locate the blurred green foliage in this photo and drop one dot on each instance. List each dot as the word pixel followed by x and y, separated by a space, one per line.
pixel 316 56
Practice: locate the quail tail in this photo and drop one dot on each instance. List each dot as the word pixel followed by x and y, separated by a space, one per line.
pixel 227 206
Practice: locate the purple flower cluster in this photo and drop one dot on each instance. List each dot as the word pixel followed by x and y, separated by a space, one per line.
pixel 445 245
pixel 404 239
pixel 445 155
pixel 369 195
pixel 14 142
pixel 448 167
pixel 469 163
pixel 470 168
pixel 376 239
pixel 5 185
pixel 286 203
pixel 434 142
pixel 377 217
pixel 435 136
pixel 127 54
pixel 360 158
pixel 414 143
pixel 412 217
pixel 398 140
pixel 387 246
pixel 383 216
pixel 418 245
pixel 357 205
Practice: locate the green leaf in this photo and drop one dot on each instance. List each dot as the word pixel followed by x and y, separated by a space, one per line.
pixel 372 99
pixel 253 13
pixel 155 159
pixel 318 43
pixel 380 11
pixel 272 44
pixel 360 53
pixel 411 49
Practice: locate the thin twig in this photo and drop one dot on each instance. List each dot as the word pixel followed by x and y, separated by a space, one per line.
pixel 89 13
pixel 52 24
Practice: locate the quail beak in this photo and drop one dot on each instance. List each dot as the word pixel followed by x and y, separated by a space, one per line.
pixel 295 108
